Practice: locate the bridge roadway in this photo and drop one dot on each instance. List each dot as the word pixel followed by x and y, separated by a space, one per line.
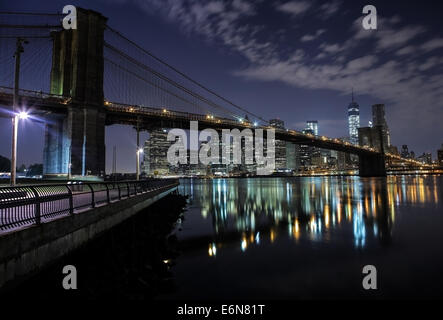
pixel 148 118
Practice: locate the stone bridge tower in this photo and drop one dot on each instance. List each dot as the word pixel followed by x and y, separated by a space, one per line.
pixel 75 143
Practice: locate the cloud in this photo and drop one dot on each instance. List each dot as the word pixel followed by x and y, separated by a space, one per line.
pixel 412 91
pixel 242 6
pixel 359 64
pixel 380 63
pixel 311 37
pixel 294 8
pixel 430 63
pixel 329 8
pixel 216 20
pixel 432 45
pixel 389 34
pixel 332 48
pixel 391 38
pixel 406 51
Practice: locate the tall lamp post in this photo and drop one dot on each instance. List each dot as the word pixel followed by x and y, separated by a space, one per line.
pixel 19 50
pixel 139 151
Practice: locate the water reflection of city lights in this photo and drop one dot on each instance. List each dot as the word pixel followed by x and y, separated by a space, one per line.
pixel 359 230
pixel 296 229
pixel 212 251
pixel 244 245
pixel 272 236
pixel 326 212
pixel 311 205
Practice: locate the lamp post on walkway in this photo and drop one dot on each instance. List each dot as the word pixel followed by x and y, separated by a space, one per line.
pixel 139 152
pixel 22 115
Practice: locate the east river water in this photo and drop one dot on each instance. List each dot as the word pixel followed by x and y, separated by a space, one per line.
pixel 310 237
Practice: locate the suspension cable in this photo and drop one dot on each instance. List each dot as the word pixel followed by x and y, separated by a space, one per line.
pixel 184 75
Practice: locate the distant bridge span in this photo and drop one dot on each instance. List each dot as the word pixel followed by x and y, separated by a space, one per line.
pixel 372 162
pixel 148 118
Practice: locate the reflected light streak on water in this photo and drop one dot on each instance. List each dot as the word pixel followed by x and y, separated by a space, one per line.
pixel 313 207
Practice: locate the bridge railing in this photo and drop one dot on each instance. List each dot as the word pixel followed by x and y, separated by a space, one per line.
pixel 32 93
pixel 34 204
pixel 172 114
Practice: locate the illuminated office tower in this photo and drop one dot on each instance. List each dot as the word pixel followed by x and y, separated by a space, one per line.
pixel 280 146
pixel 440 155
pixel 277 123
pixel 306 152
pixel 155 162
pixel 404 151
pixel 313 126
pixel 353 120
pixel 425 158
pixel 292 156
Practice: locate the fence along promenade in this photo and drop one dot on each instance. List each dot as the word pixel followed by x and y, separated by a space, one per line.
pixel 34 204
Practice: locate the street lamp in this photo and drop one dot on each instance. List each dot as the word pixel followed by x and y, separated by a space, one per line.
pixel 139 152
pixel 22 115
pixel 18 51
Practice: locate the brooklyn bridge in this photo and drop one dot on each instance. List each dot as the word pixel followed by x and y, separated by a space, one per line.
pixel 79 81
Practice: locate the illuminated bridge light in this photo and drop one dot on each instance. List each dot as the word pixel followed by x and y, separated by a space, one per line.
pixel 23 115
pixel 212 251
pixel 244 244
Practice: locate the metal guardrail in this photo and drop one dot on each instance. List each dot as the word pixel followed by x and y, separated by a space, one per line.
pixel 25 205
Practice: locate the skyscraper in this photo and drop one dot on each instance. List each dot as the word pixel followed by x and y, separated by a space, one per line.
pixel 425 158
pixel 440 155
pixel 315 157
pixel 292 156
pixel 280 146
pixel 312 125
pixel 155 162
pixel 306 152
pixel 353 120
pixel 277 123
pixel 404 151
pixel 378 119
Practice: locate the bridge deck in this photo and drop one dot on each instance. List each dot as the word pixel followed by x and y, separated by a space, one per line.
pixel 149 117
pixel 153 117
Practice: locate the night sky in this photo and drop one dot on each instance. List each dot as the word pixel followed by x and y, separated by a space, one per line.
pixel 293 60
